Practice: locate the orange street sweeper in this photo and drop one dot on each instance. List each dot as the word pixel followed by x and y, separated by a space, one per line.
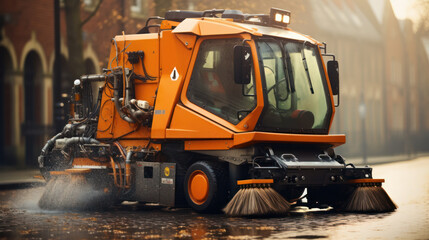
pixel 214 110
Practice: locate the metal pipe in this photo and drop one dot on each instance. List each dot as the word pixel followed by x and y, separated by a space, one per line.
pixel 116 100
pixel 127 92
pixel 128 169
pixel 93 78
pixel 115 181
pixel 48 147
pixel 121 181
pixel 118 145
pixel 83 140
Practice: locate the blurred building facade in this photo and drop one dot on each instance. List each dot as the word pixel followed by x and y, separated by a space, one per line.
pixel 383 67
pixel 382 107
pixel 27 59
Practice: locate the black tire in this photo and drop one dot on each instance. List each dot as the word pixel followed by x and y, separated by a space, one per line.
pixel 210 199
pixel 180 200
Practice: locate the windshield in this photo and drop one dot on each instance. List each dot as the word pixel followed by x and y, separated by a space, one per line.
pixel 296 92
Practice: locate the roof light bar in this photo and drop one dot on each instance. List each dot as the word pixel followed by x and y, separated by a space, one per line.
pixel 279 17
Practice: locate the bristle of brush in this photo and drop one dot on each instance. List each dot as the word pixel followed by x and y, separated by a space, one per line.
pixel 369 198
pixel 54 186
pixel 256 200
pixel 69 192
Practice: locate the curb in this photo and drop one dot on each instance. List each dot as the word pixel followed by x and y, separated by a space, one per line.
pixel 21 185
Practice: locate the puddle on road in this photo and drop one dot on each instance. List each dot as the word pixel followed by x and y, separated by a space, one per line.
pixel 27 199
pixel 20 217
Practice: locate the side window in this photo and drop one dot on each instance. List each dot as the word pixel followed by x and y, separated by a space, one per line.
pixel 209 60
pixel 212 84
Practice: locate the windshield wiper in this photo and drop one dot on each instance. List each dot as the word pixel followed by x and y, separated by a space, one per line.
pixel 304 61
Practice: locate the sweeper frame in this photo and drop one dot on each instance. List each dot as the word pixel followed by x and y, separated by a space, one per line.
pixel 311 169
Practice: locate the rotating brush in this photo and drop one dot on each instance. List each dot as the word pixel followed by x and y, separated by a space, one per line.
pixel 369 196
pixel 256 197
pixel 68 190
pixel 54 187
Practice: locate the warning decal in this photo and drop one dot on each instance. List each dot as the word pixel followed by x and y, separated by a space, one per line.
pixel 167 181
pixel 174 74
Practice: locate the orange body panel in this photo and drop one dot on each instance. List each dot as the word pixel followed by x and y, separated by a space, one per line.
pixel 87 162
pixel 246 139
pixel 110 124
pixel 167 25
pixel 212 27
pixel 175 56
pixel 188 40
pixel 170 56
pixel 194 145
pixel 188 124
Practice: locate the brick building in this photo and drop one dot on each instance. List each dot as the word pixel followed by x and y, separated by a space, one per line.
pixel 26 69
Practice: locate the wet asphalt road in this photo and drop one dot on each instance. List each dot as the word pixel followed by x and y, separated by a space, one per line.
pixel 406 182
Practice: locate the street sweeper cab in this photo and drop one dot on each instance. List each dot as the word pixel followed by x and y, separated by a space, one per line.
pixel 213 110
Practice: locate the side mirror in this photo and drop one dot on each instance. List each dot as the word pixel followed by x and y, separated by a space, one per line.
pixel 242 64
pixel 334 76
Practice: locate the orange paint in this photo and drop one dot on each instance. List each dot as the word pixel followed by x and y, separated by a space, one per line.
pixel 175 117
pixel 174 55
pixel 366 180
pixel 58 173
pixel 255 181
pixel 78 170
pixel 198 187
pixel 244 139
pixel 211 27
pixel 88 162
pixel 195 126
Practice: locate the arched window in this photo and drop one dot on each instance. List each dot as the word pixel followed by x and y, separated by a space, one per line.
pixel 33 129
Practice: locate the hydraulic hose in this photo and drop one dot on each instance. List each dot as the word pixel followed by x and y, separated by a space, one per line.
pixel 116 99
pixel 128 169
pixel 84 140
pixel 138 115
pixel 48 147
pixel 115 178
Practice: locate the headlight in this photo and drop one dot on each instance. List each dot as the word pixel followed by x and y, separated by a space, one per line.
pixel 279 17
